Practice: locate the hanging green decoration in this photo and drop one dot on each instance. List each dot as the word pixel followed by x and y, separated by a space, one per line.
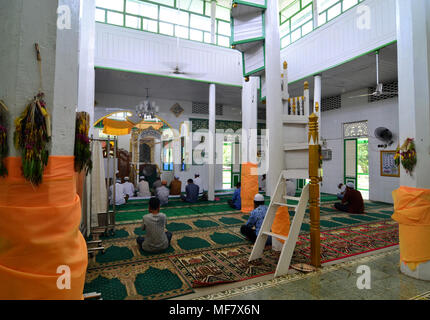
pixel 4 148
pixel 82 143
pixel 31 138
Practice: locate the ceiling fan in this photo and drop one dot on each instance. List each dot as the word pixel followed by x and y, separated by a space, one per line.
pixel 379 86
pixel 176 68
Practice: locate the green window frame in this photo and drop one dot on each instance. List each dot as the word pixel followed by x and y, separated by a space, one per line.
pixel 167 156
pixel 296 20
pixel 155 18
pixel 295 24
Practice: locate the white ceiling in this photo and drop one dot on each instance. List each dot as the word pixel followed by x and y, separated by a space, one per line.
pixel 354 75
pixel 135 84
pixel 351 76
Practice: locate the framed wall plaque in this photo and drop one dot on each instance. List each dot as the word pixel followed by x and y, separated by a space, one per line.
pixel 388 164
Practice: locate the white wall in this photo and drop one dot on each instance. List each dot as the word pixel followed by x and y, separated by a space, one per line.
pixel 134 50
pixel 378 114
pixel 363 28
pixel 128 102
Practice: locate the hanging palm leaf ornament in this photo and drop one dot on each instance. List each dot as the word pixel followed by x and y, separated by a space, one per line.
pixel 82 143
pixel 33 133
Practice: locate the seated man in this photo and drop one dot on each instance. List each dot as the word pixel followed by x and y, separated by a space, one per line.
pixel 262 183
pixel 255 220
pixel 342 189
pixel 156 184
pixel 162 193
pixel 120 196
pixel 175 187
pixel 291 187
pixel 352 201
pixel 128 187
pixel 143 188
pixel 198 182
pixel 156 238
pixel 192 192
pixel 236 201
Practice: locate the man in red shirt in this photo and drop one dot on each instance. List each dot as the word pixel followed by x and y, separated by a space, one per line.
pixel 352 201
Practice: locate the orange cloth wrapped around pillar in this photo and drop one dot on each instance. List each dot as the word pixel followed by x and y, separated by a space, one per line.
pixel 281 224
pixel 249 186
pixel 412 212
pixel 40 239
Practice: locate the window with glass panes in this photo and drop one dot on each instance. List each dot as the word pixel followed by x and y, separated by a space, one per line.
pixel 296 16
pixel 167 156
pixel 296 19
pixel 187 19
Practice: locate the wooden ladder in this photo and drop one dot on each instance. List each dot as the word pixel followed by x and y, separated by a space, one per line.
pixel 279 199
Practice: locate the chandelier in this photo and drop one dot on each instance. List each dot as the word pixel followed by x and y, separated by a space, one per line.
pixel 146 110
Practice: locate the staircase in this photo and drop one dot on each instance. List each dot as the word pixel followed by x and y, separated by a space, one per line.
pixel 248 36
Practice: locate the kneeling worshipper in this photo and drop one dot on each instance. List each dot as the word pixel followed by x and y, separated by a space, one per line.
pixel 191 191
pixel 156 184
pixel 156 238
pixel 128 187
pixel 120 196
pixel 236 202
pixel 291 187
pixel 162 193
pixel 342 189
pixel 256 218
pixel 352 201
pixel 143 188
pixel 175 187
pixel 198 181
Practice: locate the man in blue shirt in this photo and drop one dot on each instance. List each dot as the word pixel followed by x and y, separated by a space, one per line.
pixel 236 202
pixel 256 218
pixel 192 192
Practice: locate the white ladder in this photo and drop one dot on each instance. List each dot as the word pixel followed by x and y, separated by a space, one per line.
pixel 265 231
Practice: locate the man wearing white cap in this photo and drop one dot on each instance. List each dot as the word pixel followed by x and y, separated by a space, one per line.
pixel 128 187
pixel 352 201
pixel 143 188
pixel 120 196
pixel 256 218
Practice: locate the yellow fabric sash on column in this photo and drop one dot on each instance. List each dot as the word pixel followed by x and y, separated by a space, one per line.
pixel 249 186
pixel 412 212
pixel 39 232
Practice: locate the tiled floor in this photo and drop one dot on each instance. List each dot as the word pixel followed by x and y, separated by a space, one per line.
pixel 337 282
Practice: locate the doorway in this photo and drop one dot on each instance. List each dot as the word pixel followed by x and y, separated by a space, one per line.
pixel 356 164
pixel 227 157
pixel 363 167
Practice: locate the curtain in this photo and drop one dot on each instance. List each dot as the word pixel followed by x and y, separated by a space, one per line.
pixel 99 192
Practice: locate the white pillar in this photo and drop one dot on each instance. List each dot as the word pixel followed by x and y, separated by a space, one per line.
pixel 211 144
pixel 213 21
pixel 315 12
pixel 273 97
pixel 86 59
pixel 28 22
pixel 249 120
pixel 413 48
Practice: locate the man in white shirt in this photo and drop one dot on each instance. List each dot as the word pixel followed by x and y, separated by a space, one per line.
pixel 291 187
pixel 198 181
pixel 128 187
pixel 143 188
pixel 120 195
pixel 162 193
pixel 262 183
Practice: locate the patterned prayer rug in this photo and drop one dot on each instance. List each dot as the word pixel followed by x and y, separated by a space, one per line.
pixel 207 249
pixel 231 264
